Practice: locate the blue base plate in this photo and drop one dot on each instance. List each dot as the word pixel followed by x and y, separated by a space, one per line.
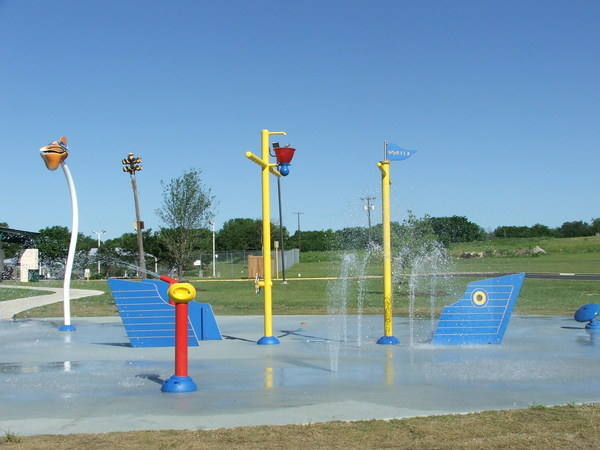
pixel 593 325
pixel 67 328
pixel 268 340
pixel 388 340
pixel 177 384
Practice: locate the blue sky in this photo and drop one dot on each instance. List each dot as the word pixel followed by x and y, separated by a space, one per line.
pixel 501 99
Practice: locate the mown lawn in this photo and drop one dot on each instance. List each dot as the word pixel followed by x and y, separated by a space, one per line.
pixel 302 296
pixel 7 293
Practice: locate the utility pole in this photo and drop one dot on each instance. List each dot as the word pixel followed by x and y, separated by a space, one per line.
pixel 299 213
pixel 131 165
pixel 98 234
pixel 214 255
pixel 369 207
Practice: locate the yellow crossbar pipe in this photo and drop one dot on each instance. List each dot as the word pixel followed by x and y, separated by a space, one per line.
pixel 252 157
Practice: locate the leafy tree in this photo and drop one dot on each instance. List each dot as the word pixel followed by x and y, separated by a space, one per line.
pixel 187 206
pixel 596 225
pixel 352 238
pixel 412 238
pixel 53 242
pixel 536 230
pixel 240 234
pixel 313 240
pixel 510 231
pixel 8 249
pixel 539 230
pixel 246 234
pixel 456 229
pixel 575 229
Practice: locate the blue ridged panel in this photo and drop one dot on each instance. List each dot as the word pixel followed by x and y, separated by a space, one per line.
pixel 139 300
pixel 474 309
pixel 157 342
pixel 156 333
pixel 141 307
pixel 466 322
pixel 149 319
pixel 450 316
pixel 142 327
pixel 145 314
pixel 470 323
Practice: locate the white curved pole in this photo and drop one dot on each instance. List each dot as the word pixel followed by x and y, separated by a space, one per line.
pixel 72 245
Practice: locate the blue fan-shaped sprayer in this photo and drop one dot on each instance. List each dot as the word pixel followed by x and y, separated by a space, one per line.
pixel 588 313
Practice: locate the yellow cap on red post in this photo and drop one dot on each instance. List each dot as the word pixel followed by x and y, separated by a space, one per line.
pixel 181 292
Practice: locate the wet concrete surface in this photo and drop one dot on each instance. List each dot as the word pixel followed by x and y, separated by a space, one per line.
pixel 91 380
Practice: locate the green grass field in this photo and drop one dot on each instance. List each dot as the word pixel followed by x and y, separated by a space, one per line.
pixel 303 296
pixel 7 293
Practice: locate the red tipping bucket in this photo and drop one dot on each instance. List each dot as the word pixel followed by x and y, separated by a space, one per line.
pixel 284 154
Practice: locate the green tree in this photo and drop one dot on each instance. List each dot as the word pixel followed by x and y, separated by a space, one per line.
pixel 539 230
pixel 596 225
pixel 575 229
pixel 246 234
pixel 352 238
pixel 53 242
pixel 187 206
pixel 318 241
pixel 456 229
pixel 240 234
pixel 7 249
pixel 415 236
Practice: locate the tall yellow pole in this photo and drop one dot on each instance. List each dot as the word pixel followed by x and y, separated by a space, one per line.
pixel 266 284
pixel 266 234
pixel 388 337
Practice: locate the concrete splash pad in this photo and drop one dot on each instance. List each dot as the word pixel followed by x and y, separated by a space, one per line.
pixel 92 381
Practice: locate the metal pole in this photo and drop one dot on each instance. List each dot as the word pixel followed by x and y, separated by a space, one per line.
pixel 71 254
pixel 214 259
pixel 98 234
pixel 140 239
pixel 276 260
pixel 298 213
pixel 369 207
pixel 281 246
pixel 388 337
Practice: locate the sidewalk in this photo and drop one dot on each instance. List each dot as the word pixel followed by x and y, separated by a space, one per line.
pixel 9 308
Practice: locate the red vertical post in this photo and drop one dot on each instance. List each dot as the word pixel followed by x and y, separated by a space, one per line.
pixel 180 294
pixel 181 340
